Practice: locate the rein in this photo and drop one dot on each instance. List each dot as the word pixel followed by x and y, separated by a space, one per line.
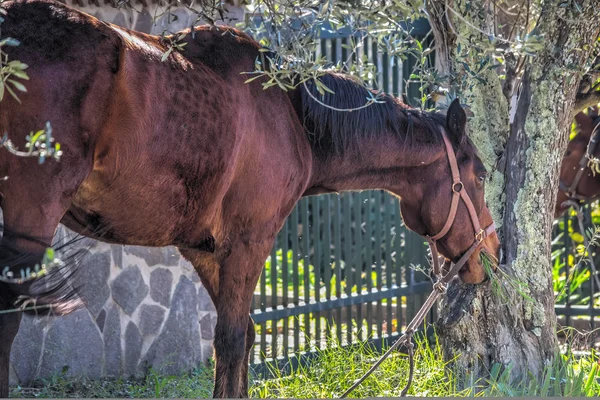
pixel 439 287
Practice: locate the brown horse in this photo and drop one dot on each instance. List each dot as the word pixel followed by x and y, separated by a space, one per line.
pixel 578 183
pixel 184 153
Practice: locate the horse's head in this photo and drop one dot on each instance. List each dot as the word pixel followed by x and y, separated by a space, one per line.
pixel 577 182
pixel 451 209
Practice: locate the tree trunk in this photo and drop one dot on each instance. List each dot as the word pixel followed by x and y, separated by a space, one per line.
pixel 477 327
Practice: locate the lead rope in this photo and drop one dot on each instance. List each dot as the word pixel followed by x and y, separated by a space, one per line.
pixel 439 288
pixel 406 339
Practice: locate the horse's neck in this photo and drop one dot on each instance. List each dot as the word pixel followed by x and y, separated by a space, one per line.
pixel 379 163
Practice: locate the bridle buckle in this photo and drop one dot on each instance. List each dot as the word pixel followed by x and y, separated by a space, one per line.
pixel 440 286
pixel 479 236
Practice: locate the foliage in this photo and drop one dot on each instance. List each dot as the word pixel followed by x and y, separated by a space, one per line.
pixel 566 376
pixel 503 282
pixel 291 269
pixel 291 34
pixel 40 144
pixel 571 269
pixel 292 31
pixel 10 70
pixel 301 271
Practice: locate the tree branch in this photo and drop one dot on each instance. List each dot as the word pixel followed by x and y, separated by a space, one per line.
pixel 445 39
pixel 585 100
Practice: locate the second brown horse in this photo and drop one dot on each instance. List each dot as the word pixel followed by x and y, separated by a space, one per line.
pixel 578 183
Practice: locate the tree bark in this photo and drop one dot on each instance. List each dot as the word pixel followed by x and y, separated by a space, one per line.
pixel 477 327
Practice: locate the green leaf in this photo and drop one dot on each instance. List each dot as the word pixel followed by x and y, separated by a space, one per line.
pixel 252 79
pixel 50 255
pixel 9 42
pixel 577 237
pixel 18 85
pixel 12 93
pixel 166 54
pixel 325 88
pixel 17 64
pixel 20 74
pixel 588 388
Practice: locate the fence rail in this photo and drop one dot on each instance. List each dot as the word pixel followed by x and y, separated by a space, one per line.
pixel 341 268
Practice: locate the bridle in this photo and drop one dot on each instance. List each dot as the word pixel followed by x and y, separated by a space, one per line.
pixel 439 287
pixel 571 191
pixel 458 192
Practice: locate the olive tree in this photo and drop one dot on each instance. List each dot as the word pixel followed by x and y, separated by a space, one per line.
pixel 523 103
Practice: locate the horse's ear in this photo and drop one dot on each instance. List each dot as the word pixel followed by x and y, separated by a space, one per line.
pixel 456 121
pixel 584 124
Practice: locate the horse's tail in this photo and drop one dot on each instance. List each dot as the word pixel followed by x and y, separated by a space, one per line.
pixel 32 298
pixel 53 288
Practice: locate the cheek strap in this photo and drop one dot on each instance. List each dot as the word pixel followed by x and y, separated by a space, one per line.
pixel 458 192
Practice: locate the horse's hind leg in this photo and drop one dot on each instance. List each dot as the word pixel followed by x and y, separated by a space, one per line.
pixel 231 283
pixel 9 326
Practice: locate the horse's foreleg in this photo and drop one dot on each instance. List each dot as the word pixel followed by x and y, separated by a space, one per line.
pixel 9 326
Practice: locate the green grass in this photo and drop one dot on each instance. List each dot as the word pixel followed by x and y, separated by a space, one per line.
pixel 334 370
pixel 196 384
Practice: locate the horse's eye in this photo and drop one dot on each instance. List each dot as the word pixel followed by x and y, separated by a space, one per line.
pixel 567 153
pixel 481 178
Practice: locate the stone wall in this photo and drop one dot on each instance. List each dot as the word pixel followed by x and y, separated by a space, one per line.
pixel 146 306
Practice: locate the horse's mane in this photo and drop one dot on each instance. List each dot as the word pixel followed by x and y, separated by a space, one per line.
pixel 335 131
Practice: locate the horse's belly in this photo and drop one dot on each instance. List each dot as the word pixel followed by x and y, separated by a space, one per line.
pixel 141 213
